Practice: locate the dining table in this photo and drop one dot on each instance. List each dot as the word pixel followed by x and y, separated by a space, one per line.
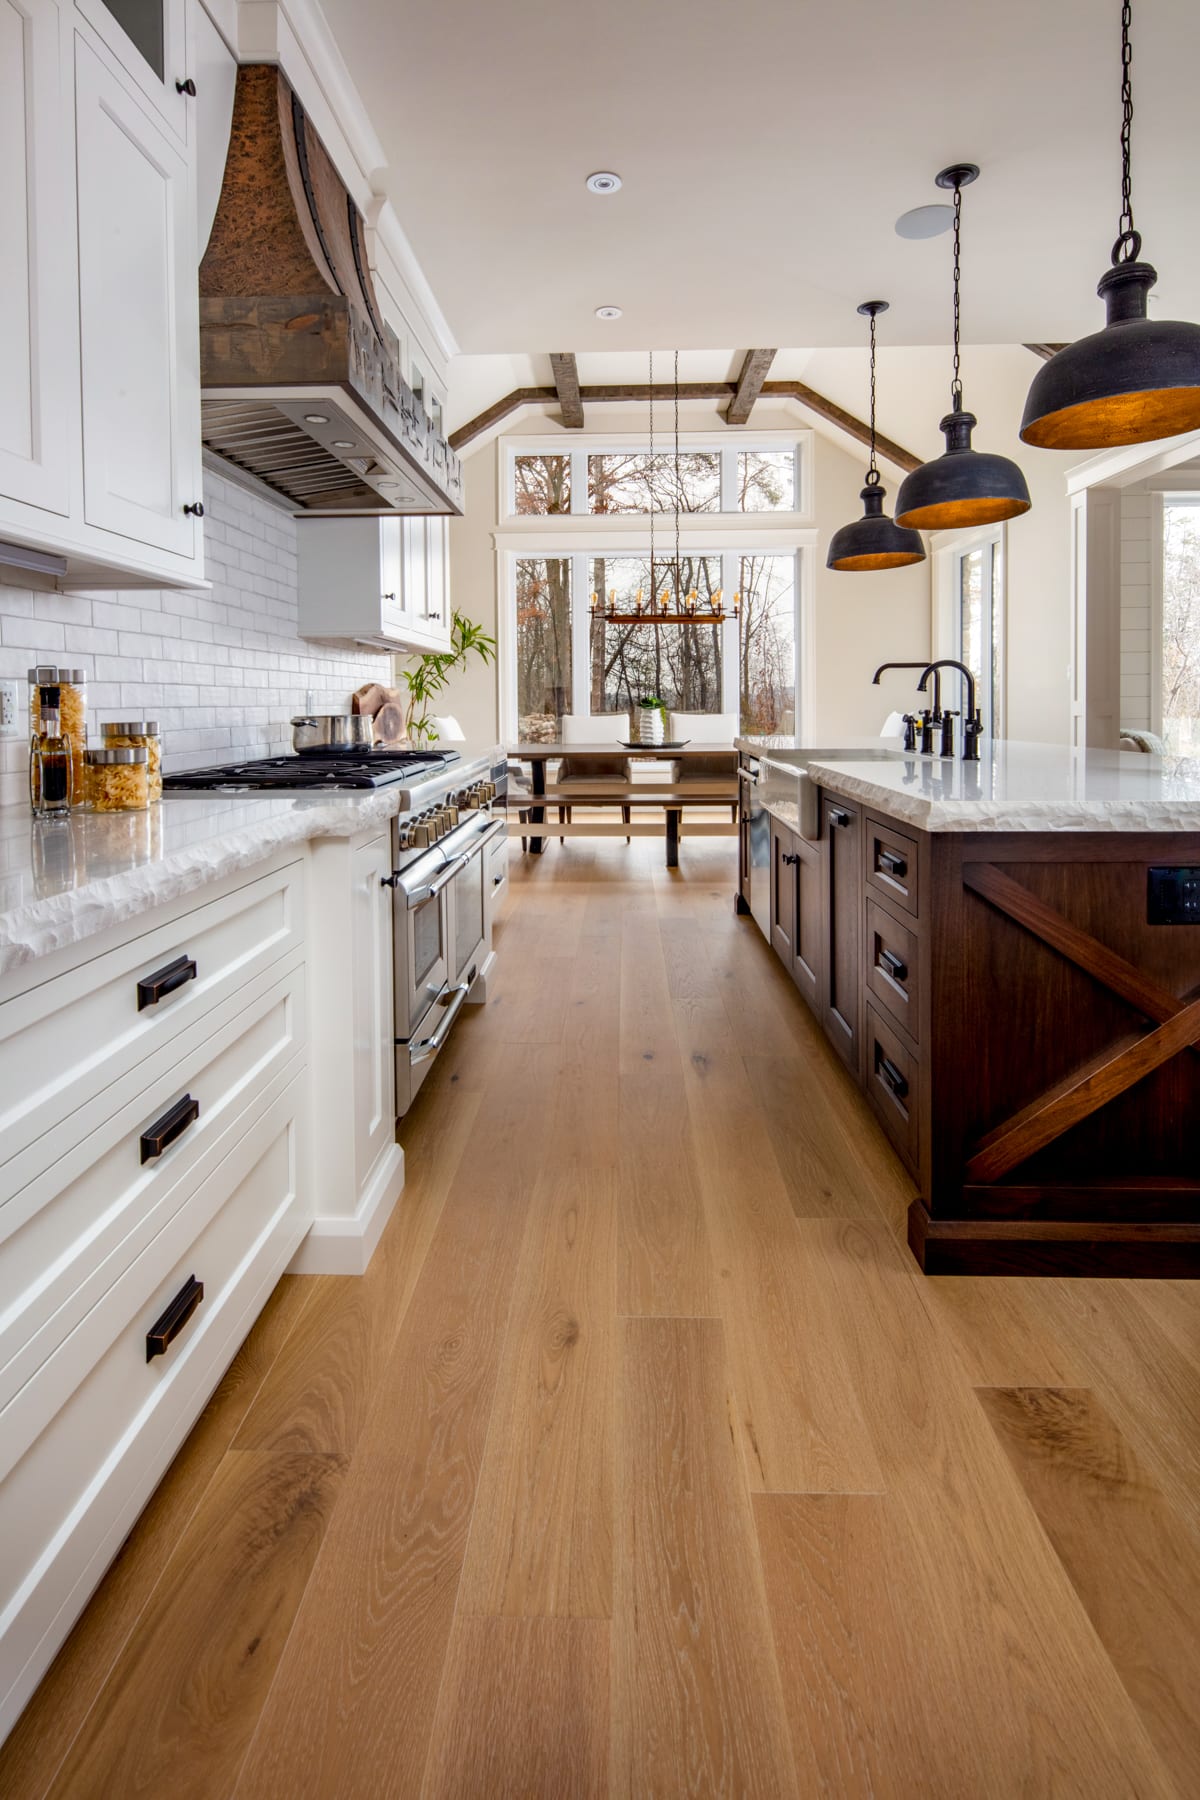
pixel 715 792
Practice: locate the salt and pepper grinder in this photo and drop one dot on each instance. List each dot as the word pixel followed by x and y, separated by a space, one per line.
pixel 50 761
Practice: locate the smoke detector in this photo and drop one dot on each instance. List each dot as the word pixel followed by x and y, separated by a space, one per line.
pixel 608 312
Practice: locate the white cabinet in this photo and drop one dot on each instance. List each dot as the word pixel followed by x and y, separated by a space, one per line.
pixel 36 310
pixel 139 317
pixel 383 582
pixel 149 38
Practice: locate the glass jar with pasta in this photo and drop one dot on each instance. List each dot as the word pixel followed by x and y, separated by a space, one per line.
pixel 72 688
pixel 138 734
pixel 118 780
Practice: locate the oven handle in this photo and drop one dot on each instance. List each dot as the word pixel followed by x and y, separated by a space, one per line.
pixel 427 1047
pixel 420 895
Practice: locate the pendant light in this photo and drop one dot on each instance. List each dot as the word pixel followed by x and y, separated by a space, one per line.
pixel 874 541
pixel 962 486
pixel 1137 379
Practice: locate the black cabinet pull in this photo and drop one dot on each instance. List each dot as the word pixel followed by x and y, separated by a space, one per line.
pixel 174 1122
pixel 165 1329
pixel 187 87
pixel 153 988
pixel 195 509
pixel 892 864
pixel 895 965
pixel 891 1074
pixel 790 857
pixel 836 817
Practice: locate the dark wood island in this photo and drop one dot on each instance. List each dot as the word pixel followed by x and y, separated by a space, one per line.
pixel 1007 959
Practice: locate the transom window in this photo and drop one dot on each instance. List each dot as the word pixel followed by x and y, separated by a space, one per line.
pixel 615 477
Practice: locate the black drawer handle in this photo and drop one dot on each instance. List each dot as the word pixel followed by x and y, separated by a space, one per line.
pixel 790 858
pixel 162 1134
pixel 895 965
pixel 891 1074
pixel 837 817
pixel 892 864
pixel 165 1330
pixel 153 988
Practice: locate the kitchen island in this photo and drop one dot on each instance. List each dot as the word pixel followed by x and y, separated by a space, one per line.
pixel 1006 956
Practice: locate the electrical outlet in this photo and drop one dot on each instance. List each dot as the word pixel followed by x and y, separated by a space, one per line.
pixel 10 724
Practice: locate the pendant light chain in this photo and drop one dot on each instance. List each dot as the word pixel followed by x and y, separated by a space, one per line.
pixel 678 496
pixel 653 591
pixel 872 472
pixel 1129 244
pixel 956 382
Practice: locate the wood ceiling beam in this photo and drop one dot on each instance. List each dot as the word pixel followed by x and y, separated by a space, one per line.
pixel 566 381
pixel 688 390
pixel 1045 351
pixel 755 370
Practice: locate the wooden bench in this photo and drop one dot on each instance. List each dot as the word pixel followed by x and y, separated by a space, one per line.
pixel 672 798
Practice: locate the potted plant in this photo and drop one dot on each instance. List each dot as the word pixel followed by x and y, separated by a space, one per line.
pixel 429 672
pixel 651 720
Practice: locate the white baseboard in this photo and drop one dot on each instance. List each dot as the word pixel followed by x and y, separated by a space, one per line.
pixel 341 1246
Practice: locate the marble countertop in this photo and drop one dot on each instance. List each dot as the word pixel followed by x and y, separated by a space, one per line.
pixel 1018 787
pixel 62 881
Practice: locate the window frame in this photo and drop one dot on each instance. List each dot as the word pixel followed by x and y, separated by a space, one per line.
pixel 947 622
pixel 1164 496
pixel 728 447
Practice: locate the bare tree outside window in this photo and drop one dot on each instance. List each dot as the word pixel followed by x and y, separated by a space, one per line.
pixel 542 484
pixel 632 482
pixel 543 646
pixel 679 663
pixel 1181 625
pixel 767 644
pixel 766 480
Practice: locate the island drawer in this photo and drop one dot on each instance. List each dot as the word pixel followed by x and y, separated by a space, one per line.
pixel 68 1235
pixel 891 864
pixel 893 965
pixel 893 1085
pixel 69 1493
pixel 65 1041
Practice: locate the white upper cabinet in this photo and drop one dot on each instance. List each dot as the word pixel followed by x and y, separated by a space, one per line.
pixel 375 581
pixel 139 327
pixel 149 38
pixel 36 309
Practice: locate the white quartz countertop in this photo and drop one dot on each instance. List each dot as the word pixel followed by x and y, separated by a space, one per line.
pixel 1017 787
pixel 62 881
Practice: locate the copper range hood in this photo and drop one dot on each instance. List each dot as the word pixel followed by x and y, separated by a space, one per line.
pixel 299 372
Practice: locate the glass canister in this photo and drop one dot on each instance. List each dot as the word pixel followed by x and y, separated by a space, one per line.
pixel 72 688
pixel 138 734
pixel 118 780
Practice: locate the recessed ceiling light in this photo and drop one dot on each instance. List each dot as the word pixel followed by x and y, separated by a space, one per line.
pixel 608 312
pixel 925 222
pixel 343 443
pixel 603 182
pixel 315 419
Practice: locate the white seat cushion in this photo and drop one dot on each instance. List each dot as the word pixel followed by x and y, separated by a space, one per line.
pixel 595 728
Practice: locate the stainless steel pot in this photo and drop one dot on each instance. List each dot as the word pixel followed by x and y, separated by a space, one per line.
pixel 332 731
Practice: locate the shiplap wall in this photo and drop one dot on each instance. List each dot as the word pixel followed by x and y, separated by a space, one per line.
pixel 1138 545
pixel 222 670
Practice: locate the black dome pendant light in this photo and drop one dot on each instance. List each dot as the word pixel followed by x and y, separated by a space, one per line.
pixel 874 541
pixel 1139 378
pixel 962 486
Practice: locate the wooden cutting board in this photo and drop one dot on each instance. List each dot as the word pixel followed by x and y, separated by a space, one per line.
pixel 385 707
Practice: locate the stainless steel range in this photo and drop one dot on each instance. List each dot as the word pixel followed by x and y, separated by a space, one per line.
pixel 447 842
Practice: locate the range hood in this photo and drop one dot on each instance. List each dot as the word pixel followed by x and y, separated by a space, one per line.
pixel 299 373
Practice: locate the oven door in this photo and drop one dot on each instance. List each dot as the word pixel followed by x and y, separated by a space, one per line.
pixel 421 927
pixel 470 905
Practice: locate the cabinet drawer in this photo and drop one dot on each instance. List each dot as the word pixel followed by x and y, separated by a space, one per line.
pixel 497 869
pixel 892 865
pixel 893 1085
pixel 893 964
pixel 65 1043
pixel 67 1235
pixel 68 1496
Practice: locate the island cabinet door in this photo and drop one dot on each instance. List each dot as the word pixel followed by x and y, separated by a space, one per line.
pixel 841 831
pixel 807 925
pixel 783 892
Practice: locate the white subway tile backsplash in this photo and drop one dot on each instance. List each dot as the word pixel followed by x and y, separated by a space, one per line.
pixel 222 669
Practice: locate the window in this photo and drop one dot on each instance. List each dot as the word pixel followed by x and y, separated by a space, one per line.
pixel 615 478
pixel 682 664
pixel 1181 623
pixel 543 646
pixel 767 644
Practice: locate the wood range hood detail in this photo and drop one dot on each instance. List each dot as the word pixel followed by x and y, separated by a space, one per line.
pixel 300 373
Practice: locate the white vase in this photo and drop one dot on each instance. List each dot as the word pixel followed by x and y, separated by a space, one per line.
pixel 650 725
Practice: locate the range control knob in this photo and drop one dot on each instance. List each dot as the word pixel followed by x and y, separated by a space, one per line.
pixel 451 816
pixel 421 836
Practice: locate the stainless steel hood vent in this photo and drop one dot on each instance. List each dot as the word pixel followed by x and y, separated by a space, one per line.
pixel 300 375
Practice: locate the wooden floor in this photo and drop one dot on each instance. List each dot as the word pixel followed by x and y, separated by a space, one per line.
pixel 643 1461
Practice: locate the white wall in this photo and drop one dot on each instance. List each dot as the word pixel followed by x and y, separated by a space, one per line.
pixel 223 670
pixel 860 620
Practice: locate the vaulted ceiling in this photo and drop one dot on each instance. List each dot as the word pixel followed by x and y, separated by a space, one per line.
pixel 766 151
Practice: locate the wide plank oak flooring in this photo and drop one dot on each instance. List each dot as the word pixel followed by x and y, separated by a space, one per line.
pixel 643 1461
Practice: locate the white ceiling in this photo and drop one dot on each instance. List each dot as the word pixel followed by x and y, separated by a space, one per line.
pixel 767 150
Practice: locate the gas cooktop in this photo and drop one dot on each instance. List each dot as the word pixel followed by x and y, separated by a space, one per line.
pixel 319 769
